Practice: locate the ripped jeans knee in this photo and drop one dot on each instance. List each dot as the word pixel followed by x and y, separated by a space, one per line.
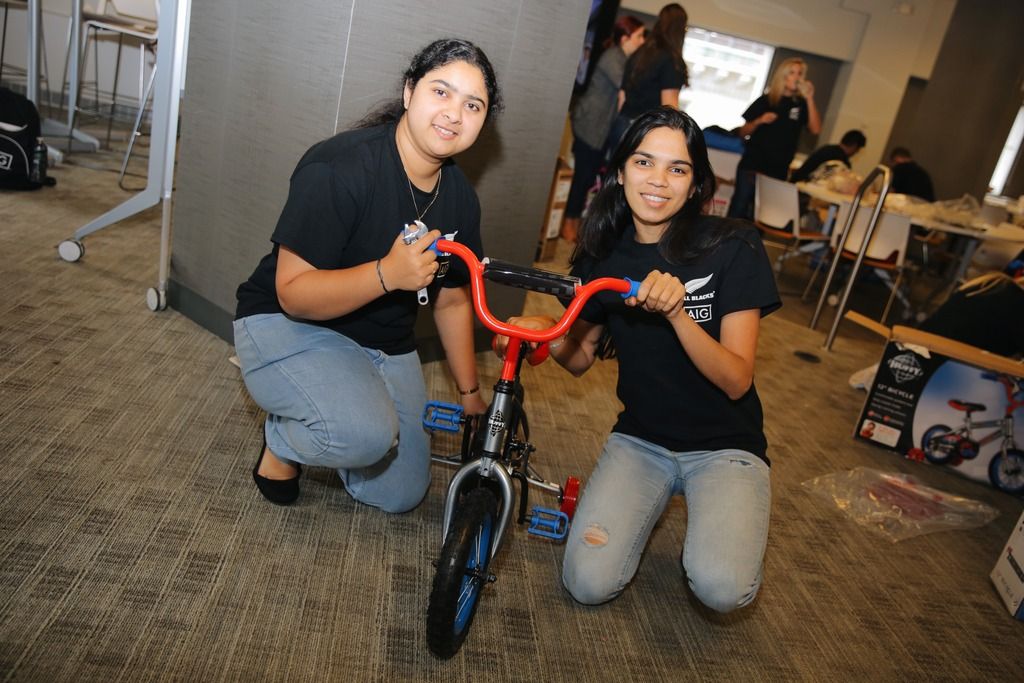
pixel 595 536
pixel 590 572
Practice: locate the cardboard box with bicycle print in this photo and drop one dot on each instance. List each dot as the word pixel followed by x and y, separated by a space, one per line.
pixel 949 404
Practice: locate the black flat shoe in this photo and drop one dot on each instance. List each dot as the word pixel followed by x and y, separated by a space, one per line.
pixel 279 491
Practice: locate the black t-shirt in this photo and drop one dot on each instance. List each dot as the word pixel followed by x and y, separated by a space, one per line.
pixel 772 145
pixel 817 158
pixel 992 319
pixel 643 90
pixel 348 199
pixel 666 400
pixel 909 178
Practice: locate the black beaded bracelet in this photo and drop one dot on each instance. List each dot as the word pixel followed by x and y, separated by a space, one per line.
pixel 380 277
pixel 471 391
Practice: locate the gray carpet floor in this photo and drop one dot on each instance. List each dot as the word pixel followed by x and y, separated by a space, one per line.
pixel 134 546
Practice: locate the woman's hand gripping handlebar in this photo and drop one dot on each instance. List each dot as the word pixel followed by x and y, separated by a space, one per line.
pixel 535 280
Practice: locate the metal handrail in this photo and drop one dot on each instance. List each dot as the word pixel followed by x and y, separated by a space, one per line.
pixel 868 234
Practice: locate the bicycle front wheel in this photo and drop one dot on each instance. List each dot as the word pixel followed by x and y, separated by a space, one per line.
pixel 1006 471
pixel 461 573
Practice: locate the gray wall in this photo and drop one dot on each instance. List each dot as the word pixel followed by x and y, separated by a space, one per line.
pixel 955 123
pixel 268 79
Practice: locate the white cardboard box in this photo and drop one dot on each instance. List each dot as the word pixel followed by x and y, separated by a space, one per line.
pixel 1008 574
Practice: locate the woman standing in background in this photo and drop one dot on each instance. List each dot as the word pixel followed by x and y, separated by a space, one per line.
pixel 593 114
pixel 773 122
pixel 655 73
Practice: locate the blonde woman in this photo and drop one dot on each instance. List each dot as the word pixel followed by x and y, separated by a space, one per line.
pixel 773 124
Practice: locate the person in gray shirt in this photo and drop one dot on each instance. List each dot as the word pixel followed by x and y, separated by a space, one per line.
pixel 593 114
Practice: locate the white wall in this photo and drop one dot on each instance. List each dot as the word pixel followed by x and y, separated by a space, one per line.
pixel 882 49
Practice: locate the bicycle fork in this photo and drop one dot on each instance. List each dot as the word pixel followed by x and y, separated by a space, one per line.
pixel 488 465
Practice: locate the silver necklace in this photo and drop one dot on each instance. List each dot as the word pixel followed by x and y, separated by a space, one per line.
pixel 437 191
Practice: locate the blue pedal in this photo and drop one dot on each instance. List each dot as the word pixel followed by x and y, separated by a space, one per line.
pixel 444 416
pixel 549 523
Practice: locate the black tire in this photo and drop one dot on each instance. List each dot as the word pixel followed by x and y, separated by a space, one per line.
pixel 461 573
pixel 1007 472
pixel 940 444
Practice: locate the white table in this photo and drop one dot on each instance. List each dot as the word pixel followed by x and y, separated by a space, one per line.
pixel 975 233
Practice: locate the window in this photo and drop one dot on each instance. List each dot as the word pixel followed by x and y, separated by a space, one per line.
pixel 726 74
pixel 1006 158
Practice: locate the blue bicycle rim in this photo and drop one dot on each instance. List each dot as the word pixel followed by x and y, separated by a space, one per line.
pixel 470 589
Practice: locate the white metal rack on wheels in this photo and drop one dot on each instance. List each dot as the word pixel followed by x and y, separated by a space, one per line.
pixel 843 236
pixel 172 33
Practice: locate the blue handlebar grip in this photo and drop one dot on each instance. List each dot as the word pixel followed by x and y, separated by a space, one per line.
pixel 433 247
pixel 634 288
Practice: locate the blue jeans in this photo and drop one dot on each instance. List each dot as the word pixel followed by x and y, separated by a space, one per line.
pixel 333 403
pixel 742 203
pixel 728 500
pixel 587 165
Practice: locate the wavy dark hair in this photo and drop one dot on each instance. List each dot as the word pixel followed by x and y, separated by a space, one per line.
pixel 439 53
pixel 666 37
pixel 609 214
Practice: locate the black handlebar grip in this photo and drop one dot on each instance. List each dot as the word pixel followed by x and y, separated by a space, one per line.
pixel 533 279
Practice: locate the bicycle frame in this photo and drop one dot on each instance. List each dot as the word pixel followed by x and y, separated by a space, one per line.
pixel 1004 425
pixel 490 464
pixel 1004 431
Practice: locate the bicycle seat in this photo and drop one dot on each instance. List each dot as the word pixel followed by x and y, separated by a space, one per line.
pixel 966 406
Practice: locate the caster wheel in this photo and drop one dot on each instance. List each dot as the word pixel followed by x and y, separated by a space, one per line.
pixel 155 299
pixel 71 250
pixel 570 494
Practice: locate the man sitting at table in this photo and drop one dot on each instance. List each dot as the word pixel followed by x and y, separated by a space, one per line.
pixel 851 143
pixel 908 177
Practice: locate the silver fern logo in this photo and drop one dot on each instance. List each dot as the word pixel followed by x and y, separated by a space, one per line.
pixel 696 283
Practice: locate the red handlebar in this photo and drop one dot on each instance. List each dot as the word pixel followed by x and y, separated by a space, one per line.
pixel 583 293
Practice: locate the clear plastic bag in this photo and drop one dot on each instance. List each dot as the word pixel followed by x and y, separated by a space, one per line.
pixel 897 505
pixel 961 211
pixel 910 205
pixel 837 176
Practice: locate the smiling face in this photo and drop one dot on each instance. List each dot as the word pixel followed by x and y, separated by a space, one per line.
pixel 444 111
pixel 657 179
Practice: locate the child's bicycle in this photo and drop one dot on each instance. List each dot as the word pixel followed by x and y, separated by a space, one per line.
pixel 495 452
pixel 942 445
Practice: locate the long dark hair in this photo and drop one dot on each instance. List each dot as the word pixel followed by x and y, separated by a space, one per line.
pixel 666 37
pixel 609 212
pixel 439 53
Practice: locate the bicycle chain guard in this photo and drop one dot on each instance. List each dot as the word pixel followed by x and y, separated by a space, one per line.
pixel 548 523
pixel 441 415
